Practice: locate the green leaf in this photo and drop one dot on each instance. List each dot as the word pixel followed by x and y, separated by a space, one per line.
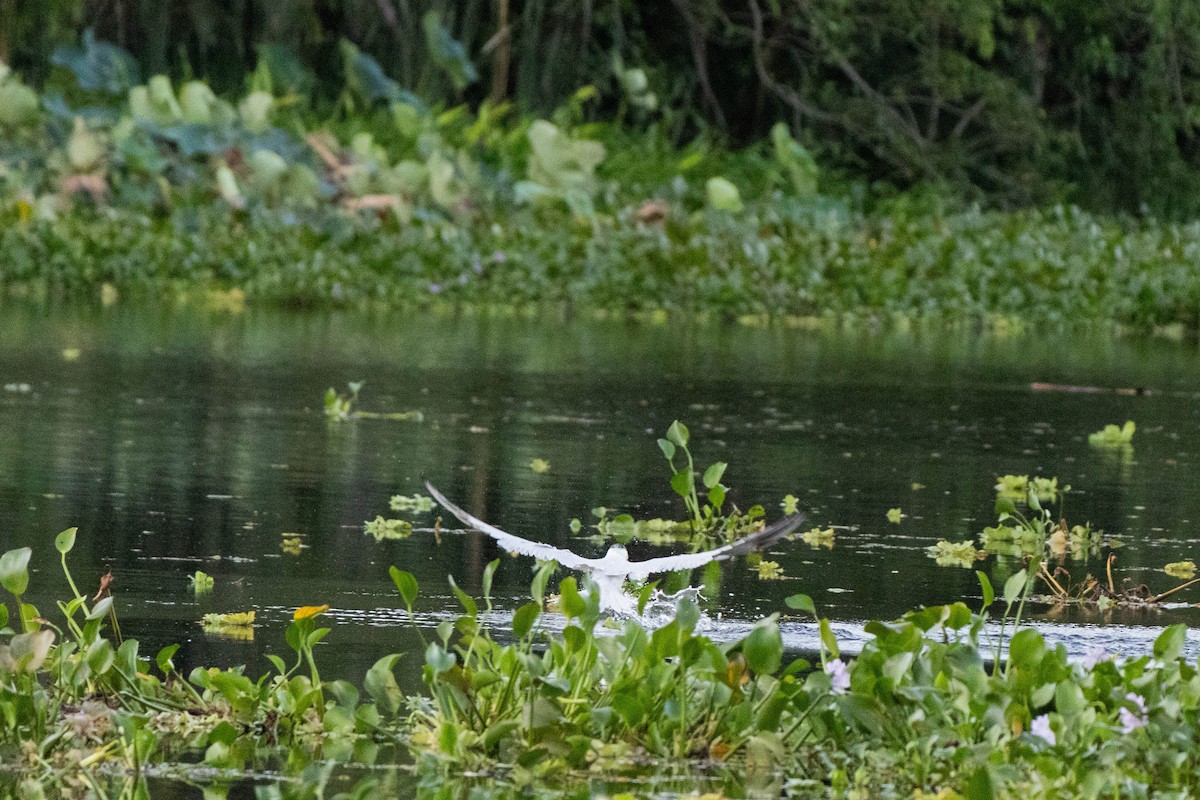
pixel 716 497
pixel 14 570
pixel 677 434
pixel 828 639
pixel 65 540
pixel 712 475
pixel 1169 644
pixel 438 658
pixel 763 648
pixel 683 482
pixel 801 602
pixel 99 657
pixel 1005 505
pixel 523 619
pixel 989 594
pixel 100 609
pixel 165 665
pixel 489 572
pixel 406 584
pixel 1026 648
pixel 1014 586
pixel 573 604
pixel 668 449
pixel 380 683
pixel 468 602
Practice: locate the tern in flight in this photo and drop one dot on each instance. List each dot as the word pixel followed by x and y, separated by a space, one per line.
pixel 610 572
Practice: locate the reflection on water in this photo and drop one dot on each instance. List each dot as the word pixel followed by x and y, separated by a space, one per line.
pixel 179 442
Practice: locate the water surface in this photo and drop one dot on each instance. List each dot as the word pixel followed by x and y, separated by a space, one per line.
pixel 181 440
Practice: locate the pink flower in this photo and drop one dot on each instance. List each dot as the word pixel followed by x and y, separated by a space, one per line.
pixel 840 675
pixel 1040 727
pixel 1094 656
pixel 1130 721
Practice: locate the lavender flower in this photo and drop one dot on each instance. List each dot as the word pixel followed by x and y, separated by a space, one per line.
pixel 1130 721
pixel 840 676
pixel 1094 656
pixel 435 288
pixel 1040 727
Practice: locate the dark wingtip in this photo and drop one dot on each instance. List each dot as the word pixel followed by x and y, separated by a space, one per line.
pixel 768 536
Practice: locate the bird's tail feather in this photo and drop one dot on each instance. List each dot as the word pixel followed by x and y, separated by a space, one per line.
pixel 761 540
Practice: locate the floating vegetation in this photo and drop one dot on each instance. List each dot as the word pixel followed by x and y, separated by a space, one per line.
pixel 924 710
pixel 291 544
pixel 1021 533
pixel 954 554
pixel 894 515
pixel 1113 437
pixel 768 570
pixel 818 537
pixel 338 406
pixel 236 619
pixel 1017 487
pixel 540 465
pixel 789 504
pixel 1184 570
pixel 416 504
pixel 390 529
pixel 201 582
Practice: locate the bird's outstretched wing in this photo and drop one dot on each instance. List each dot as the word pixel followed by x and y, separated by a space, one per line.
pixel 759 540
pixel 515 544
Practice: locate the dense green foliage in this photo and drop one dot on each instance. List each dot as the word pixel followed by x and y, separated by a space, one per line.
pixel 156 188
pixel 1059 266
pixel 919 710
pixel 1016 100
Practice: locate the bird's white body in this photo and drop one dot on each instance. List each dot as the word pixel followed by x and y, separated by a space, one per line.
pixel 610 572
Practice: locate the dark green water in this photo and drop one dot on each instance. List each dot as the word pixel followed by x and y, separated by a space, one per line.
pixel 183 441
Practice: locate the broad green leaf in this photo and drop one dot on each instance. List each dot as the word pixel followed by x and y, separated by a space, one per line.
pixel 438 658
pixel 572 603
pixel 406 584
pixel 489 572
pixel 1014 586
pixel 828 639
pixel 380 683
pixel 101 608
pixel 99 657
pixel 65 540
pixel 1169 644
pixel 677 434
pixel 1026 648
pixel 716 497
pixel 14 570
pixel 523 619
pixel 683 482
pixel 668 449
pixel 989 594
pixel 165 665
pixel 801 602
pixel 712 475
pixel 468 602
pixel 1005 505
pixel 763 648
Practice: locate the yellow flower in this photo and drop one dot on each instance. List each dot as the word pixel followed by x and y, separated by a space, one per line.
pixel 308 612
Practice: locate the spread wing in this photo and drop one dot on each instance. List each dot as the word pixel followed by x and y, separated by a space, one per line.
pixel 759 540
pixel 515 544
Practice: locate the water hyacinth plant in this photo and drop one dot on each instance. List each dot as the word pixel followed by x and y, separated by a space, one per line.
pixel 935 702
